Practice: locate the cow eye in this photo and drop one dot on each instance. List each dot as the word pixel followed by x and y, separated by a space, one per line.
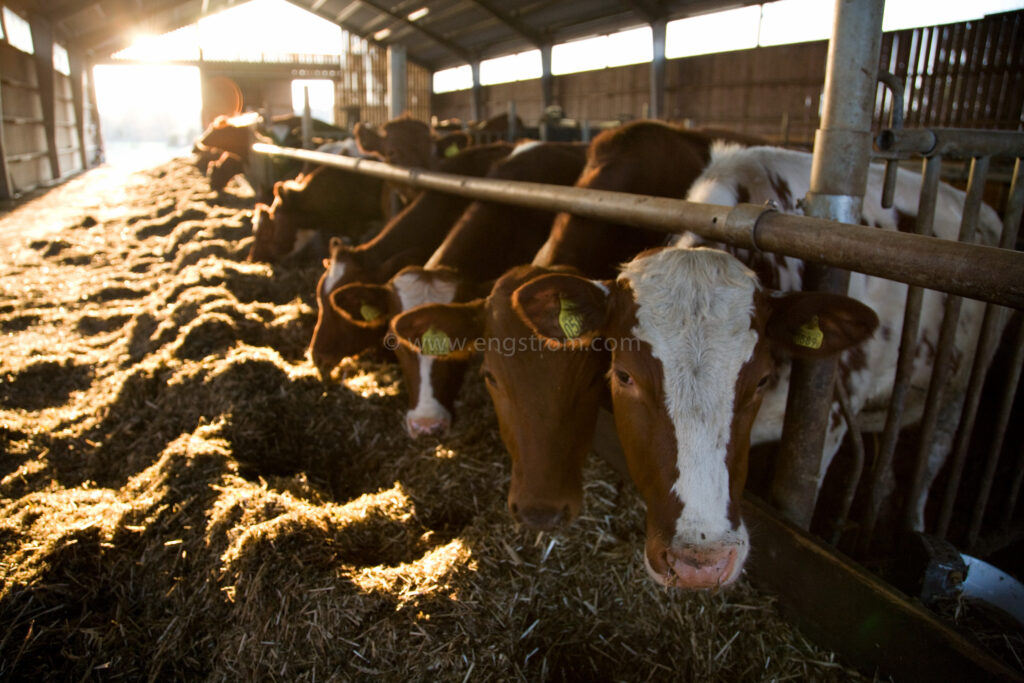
pixel 764 382
pixel 488 377
pixel 624 378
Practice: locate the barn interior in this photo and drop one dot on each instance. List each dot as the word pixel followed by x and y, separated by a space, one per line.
pixel 184 496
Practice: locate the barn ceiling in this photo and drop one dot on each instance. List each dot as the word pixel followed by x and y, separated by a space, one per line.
pixel 451 33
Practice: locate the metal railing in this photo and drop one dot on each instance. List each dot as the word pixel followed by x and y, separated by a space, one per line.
pixel 976 271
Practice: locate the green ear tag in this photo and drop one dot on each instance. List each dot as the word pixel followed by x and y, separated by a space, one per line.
pixel 435 342
pixel 569 317
pixel 451 150
pixel 809 335
pixel 369 313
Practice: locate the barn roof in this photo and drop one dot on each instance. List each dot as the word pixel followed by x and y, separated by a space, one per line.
pixel 451 33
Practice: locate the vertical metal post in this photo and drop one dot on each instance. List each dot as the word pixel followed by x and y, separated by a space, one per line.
pixel 513 129
pixel 397 81
pixel 657 108
pixel 307 120
pixel 547 81
pixel 477 110
pixel 838 179
pixel 987 342
pixel 6 188
pixel 881 472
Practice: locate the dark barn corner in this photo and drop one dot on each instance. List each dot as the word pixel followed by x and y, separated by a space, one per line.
pixel 463 340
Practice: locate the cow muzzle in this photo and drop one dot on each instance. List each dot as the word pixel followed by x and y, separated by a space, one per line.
pixel 696 566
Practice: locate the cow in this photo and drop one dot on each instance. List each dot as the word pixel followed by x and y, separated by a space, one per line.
pixel 235 135
pixel 642 157
pixel 325 201
pixel 408 142
pixel 486 241
pixel 408 239
pixel 684 395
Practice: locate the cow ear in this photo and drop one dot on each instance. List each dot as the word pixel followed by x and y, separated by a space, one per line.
pixel 363 305
pixel 448 331
pixel 818 324
pixel 564 310
pixel 451 144
pixel 368 140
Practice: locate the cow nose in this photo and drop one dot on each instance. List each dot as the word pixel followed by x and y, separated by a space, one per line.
pixel 427 426
pixel 539 516
pixel 701 566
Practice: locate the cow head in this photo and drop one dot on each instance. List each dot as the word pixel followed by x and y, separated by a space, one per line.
pixel 231 134
pixel 402 142
pixel 264 231
pixel 332 338
pixel 694 340
pixel 226 167
pixel 545 392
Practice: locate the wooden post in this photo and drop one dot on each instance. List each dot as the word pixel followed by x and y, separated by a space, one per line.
pixel 6 189
pixel 42 41
pixel 78 97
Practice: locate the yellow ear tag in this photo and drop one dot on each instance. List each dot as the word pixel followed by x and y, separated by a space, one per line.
pixel 369 313
pixel 451 150
pixel 435 342
pixel 569 317
pixel 809 335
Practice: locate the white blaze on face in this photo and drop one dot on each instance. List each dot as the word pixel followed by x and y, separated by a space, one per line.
pixel 428 408
pixel 415 289
pixel 694 308
pixel 335 272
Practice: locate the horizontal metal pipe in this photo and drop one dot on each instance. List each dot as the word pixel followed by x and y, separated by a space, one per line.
pixel 974 271
pixel 958 143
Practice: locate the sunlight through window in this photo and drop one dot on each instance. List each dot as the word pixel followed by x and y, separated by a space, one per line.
pixel 321 98
pixel 518 67
pixel 19 34
pixel 450 80
pixel 718 32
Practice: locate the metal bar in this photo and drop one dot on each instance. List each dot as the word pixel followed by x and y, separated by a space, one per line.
pixel 913 259
pixel 881 472
pixel 1002 422
pixel 942 366
pixel 857 442
pixel 839 172
pixel 952 142
pixel 1006 406
pixel 987 342
pixel 895 87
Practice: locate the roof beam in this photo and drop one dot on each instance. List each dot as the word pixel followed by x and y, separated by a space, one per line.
pixel 449 45
pixel 116 32
pixel 59 10
pixel 536 38
pixel 650 9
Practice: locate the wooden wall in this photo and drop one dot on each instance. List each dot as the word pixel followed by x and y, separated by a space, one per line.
pixel 960 75
pixel 362 86
pixel 24 137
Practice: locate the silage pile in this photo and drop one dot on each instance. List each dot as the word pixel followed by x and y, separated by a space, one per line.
pixel 183 498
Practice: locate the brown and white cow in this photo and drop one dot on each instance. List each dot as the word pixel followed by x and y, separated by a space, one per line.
pixel 546 399
pixel 408 239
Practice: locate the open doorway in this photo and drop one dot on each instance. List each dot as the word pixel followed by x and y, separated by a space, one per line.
pixel 150 113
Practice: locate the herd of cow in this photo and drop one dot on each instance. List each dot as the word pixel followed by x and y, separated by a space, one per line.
pixel 689 342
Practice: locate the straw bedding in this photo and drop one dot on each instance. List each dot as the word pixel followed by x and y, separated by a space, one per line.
pixel 183 498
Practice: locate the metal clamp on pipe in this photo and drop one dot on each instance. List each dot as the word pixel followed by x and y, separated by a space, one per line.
pixel 744 219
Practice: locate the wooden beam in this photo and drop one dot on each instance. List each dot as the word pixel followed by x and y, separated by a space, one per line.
pixel 6 188
pixel 59 10
pixel 648 9
pixel 78 102
pixel 42 42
